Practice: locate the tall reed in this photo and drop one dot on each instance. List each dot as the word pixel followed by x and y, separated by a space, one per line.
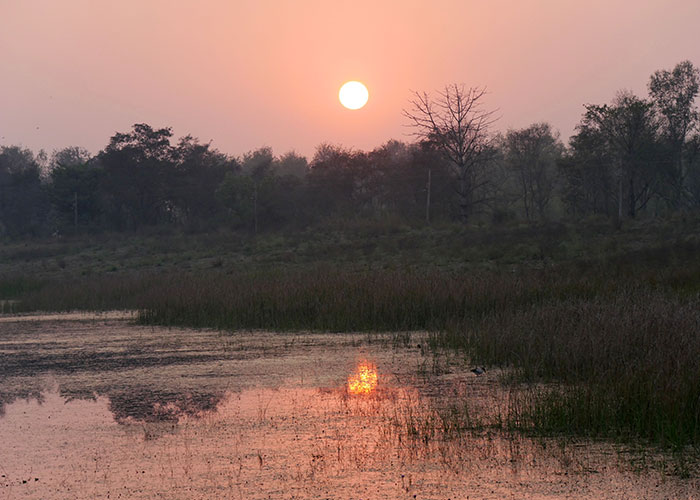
pixel 622 366
pixel 607 350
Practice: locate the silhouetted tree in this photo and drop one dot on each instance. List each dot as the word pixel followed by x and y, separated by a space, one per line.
pixel 257 197
pixel 136 166
pixel 628 128
pixel 692 161
pixel 587 170
pixel 457 124
pixel 532 154
pixel 234 194
pixel 198 171
pixel 332 179
pixel 258 167
pixel 72 155
pixel 392 180
pixel 290 200
pixel 74 182
pixel 673 93
pixel 23 201
pixel 293 164
pixel 414 181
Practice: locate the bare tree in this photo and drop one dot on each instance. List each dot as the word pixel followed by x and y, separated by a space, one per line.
pixel 456 123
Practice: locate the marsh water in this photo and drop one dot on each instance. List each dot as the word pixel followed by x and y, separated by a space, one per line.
pixel 97 407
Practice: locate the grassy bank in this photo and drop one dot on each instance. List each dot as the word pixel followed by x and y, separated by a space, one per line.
pixel 371 245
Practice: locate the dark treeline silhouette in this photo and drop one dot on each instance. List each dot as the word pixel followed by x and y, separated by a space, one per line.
pixel 631 157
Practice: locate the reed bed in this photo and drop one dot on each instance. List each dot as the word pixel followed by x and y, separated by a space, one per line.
pixel 306 299
pixel 623 367
pixel 609 351
pixel 334 300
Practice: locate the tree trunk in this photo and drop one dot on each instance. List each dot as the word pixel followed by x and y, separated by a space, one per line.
pixel 632 200
pixel 427 198
pixel 255 209
pixel 619 201
pixel 679 181
pixel 464 198
pixel 75 212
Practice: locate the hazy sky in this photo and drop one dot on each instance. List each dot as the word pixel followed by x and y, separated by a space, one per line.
pixel 250 73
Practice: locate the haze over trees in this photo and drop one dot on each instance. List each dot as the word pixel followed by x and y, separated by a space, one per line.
pixel 634 156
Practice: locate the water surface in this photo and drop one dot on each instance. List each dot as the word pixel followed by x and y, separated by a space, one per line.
pixel 100 408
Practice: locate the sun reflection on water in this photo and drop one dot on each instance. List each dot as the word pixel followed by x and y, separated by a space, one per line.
pixel 364 380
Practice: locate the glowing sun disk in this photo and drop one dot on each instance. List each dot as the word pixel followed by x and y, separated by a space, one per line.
pixel 353 95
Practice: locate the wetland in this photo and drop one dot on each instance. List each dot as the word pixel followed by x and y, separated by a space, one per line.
pixel 96 406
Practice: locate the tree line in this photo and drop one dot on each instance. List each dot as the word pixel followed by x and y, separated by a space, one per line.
pixel 631 157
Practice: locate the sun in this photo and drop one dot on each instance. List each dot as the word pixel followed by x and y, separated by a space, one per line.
pixel 353 95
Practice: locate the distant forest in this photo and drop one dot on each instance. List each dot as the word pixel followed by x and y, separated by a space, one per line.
pixel 633 157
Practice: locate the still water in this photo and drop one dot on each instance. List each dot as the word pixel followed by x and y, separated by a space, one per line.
pixel 100 408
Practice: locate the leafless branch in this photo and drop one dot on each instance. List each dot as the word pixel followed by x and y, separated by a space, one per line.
pixel 456 122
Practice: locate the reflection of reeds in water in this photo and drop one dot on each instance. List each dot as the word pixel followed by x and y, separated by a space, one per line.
pixel 451 414
pixel 456 428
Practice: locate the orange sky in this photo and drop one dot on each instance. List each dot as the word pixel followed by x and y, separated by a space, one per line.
pixel 251 73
